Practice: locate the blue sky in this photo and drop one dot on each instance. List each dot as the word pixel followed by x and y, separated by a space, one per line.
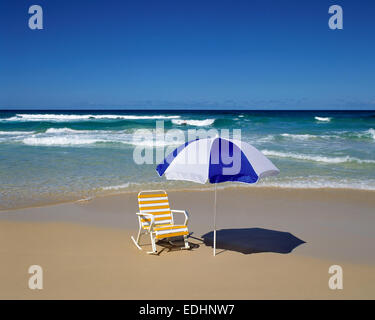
pixel 188 54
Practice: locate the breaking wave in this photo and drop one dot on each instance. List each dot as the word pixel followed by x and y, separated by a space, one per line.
pixel 71 137
pixel 298 136
pixel 323 119
pixel 60 141
pixel 83 117
pixel 371 133
pixel 10 133
pixel 314 158
pixel 67 130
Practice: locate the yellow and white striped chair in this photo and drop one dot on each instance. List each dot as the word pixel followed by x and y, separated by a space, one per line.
pixel 156 218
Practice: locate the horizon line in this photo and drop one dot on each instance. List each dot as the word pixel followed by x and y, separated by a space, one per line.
pixel 169 109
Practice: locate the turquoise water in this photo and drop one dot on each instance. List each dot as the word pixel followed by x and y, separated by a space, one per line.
pixel 61 156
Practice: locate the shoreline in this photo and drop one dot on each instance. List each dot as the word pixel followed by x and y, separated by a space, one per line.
pixel 196 189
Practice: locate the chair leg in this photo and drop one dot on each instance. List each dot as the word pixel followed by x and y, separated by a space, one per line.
pixel 136 242
pixel 139 235
pixel 186 243
pixel 153 244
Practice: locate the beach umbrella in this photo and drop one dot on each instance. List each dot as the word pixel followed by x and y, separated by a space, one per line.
pixel 216 160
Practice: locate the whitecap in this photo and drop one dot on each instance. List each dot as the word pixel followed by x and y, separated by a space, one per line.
pixel 197 123
pixel 323 119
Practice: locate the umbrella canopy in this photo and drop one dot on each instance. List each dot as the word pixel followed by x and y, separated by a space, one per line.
pixel 216 160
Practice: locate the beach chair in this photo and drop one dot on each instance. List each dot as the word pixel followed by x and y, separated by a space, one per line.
pixel 157 219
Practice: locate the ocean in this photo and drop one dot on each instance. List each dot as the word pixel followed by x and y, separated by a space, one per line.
pixel 56 156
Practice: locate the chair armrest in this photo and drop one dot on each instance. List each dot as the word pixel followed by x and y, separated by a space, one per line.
pixel 148 216
pixel 185 213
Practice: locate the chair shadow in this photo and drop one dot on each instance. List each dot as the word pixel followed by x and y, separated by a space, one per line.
pixel 175 244
pixel 253 240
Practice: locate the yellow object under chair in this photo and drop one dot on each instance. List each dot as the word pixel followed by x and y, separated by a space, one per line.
pixel 156 218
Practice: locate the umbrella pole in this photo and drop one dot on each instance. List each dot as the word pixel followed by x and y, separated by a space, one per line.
pixel 215 223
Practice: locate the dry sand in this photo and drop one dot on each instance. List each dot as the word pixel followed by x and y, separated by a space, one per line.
pixel 86 253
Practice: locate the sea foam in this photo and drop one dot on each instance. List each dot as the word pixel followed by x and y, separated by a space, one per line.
pixel 118 187
pixel 316 158
pixel 59 141
pixel 298 136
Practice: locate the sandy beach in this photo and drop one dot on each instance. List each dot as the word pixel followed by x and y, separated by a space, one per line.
pixel 86 252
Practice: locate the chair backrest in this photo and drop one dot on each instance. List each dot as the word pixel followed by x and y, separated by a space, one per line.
pixel 155 202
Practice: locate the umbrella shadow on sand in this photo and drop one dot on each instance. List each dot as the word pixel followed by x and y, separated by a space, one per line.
pixel 253 240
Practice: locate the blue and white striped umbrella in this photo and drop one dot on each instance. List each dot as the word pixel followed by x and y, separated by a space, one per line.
pixel 216 160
